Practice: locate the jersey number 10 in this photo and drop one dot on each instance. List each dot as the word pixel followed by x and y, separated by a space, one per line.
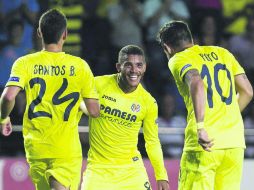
pixel 56 100
pixel 205 73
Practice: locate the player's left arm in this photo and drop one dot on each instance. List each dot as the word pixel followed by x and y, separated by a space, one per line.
pixel 153 146
pixel 197 92
pixel 244 90
pixel 89 93
pixel 242 84
pixel 7 103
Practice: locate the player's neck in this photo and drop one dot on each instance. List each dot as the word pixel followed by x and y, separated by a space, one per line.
pixel 124 86
pixel 53 48
pixel 183 47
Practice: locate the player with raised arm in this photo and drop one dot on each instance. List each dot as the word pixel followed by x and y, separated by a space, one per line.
pixel 215 90
pixel 114 161
pixel 55 84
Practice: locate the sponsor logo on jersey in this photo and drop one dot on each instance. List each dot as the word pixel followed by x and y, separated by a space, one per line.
pixel 135 107
pixel 118 113
pixel 14 79
pixel 109 98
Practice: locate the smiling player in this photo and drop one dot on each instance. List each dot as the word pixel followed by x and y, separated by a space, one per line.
pixel 114 161
pixel 55 83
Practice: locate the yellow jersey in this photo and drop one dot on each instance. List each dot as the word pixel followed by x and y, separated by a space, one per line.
pixel 113 136
pixel 223 120
pixel 55 84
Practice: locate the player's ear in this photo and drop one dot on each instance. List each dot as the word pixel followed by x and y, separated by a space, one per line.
pixel 39 33
pixel 167 48
pixel 65 33
pixel 118 67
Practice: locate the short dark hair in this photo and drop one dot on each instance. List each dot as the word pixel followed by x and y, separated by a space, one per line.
pixel 52 25
pixel 174 33
pixel 129 50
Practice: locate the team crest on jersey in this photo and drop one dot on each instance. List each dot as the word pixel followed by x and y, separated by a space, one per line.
pixel 135 107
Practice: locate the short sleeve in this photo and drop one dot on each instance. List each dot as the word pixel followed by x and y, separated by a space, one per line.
pixel 88 88
pixel 18 75
pixel 179 67
pixel 236 67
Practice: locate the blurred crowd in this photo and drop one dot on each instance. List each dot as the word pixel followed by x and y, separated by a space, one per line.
pixel 97 29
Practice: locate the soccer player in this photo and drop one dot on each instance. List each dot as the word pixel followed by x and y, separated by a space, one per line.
pixel 215 90
pixel 55 84
pixel 114 161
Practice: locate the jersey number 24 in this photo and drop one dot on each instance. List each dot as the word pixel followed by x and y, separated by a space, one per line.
pixel 56 100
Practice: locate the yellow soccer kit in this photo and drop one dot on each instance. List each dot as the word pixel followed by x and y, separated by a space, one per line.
pixel 216 170
pixel 113 136
pixel 223 120
pixel 55 84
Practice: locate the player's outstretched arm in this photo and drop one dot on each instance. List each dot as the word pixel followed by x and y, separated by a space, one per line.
pixel 244 90
pixel 92 107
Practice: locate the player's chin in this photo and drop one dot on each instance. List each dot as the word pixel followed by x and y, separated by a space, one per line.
pixel 134 83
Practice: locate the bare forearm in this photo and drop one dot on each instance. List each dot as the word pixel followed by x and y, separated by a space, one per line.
pixel 197 93
pixel 244 91
pixel 198 100
pixel 7 100
pixel 6 107
pixel 243 100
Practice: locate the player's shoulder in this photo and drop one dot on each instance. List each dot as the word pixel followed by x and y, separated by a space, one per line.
pixel 145 94
pixel 218 49
pixel 182 56
pixel 105 80
pixel 29 56
pixel 76 59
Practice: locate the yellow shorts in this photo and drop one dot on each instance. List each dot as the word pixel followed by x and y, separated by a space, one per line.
pixel 65 171
pixel 127 177
pixel 216 170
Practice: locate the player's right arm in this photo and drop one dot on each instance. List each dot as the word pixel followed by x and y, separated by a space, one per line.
pixel 90 107
pixel 7 103
pixel 15 83
pixel 90 94
pixel 244 90
pixel 242 84
pixel 197 92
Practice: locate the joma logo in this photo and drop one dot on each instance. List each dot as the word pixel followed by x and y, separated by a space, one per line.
pixel 109 98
